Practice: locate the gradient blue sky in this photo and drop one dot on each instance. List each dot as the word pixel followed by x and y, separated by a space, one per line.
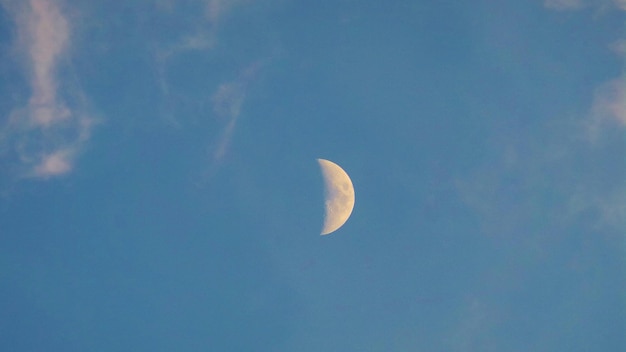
pixel 159 189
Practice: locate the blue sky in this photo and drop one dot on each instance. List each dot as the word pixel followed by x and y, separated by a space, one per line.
pixel 159 189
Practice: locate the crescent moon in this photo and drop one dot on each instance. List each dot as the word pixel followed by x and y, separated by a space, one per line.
pixel 339 196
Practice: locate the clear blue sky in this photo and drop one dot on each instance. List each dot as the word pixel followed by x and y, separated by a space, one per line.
pixel 159 189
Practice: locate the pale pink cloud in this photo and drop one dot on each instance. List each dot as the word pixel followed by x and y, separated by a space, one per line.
pixel 47 36
pixel 54 164
pixel 608 108
pixel 563 5
pixel 572 5
pixel 46 132
pixel 610 101
pixel 620 4
pixel 619 48
pixel 213 10
pixel 216 9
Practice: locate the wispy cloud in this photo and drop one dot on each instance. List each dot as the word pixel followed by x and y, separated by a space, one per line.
pixel 619 48
pixel 200 35
pixel 47 37
pixel 227 102
pixel 569 5
pixel 216 9
pixel 474 327
pixel 609 107
pixel 572 178
pixel 564 4
pixel 46 134
pixel 205 35
pixel 568 187
pixel 609 101
pixel 606 115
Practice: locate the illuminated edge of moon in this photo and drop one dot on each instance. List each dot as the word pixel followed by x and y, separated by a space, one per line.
pixel 338 196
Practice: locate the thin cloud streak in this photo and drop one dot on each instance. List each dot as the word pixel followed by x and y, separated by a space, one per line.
pixel 203 37
pixel 610 102
pixel 572 5
pixel 563 5
pixel 215 9
pixel 608 110
pixel 227 102
pixel 46 134
pixel 228 98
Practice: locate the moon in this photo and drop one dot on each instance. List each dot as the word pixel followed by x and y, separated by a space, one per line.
pixel 338 195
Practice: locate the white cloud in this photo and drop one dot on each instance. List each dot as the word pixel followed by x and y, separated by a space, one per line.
pixel 45 134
